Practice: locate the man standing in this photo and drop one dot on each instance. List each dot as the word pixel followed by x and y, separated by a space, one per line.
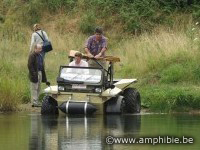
pixel 36 73
pixel 95 47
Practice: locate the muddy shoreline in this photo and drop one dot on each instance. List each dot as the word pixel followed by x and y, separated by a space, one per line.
pixel 28 108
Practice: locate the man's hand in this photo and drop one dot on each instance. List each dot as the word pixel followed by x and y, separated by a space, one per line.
pixel 98 56
pixel 90 56
pixel 48 83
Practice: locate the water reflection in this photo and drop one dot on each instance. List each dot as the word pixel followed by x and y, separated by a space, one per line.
pixel 123 125
pixel 33 131
pixel 80 132
pixel 44 133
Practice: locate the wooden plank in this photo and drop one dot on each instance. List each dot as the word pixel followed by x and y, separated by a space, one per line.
pixel 106 58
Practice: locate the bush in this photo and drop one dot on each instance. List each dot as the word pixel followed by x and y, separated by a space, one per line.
pixel 32 12
pixel 57 5
pixel 136 16
pixel 87 23
pixel 2 18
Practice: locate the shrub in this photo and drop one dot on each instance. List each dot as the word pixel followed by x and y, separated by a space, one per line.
pixel 60 5
pixel 87 23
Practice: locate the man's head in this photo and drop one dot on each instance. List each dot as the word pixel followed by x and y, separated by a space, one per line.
pixel 38 48
pixel 98 33
pixel 78 57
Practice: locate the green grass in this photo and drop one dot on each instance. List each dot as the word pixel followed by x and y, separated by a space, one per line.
pixel 13 92
pixel 157 44
pixel 169 97
pixel 166 65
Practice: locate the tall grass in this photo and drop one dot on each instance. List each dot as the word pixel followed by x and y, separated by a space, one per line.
pixel 13 75
pixel 13 92
pixel 166 98
pixel 159 60
pixel 156 51
pixel 14 82
pixel 161 57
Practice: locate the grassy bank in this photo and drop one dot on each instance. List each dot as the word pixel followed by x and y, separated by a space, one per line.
pixel 165 62
pixel 165 58
pixel 170 98
pixel 167 66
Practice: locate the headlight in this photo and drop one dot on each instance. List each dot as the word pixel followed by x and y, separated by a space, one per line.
pixel 98 90
pixel 61 88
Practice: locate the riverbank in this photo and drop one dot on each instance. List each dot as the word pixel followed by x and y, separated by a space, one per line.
pixel 164 58
pixel 177 97
pixel 166 66
pixel 27 108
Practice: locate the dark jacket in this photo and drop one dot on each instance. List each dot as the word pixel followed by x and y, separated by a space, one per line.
pixel 33 68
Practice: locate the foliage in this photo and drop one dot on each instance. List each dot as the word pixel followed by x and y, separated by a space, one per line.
pixel 13 89
pixel 87 23
pixel 57 5
pixel 157 42
pixel 165 98
pixel 135 15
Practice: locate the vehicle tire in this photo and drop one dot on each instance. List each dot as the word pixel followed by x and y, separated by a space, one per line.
pixel 123 106
pixel 49 106
pixel 132 100
pixel 116 105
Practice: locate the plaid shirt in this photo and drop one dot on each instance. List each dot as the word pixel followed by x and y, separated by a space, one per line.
pixel 95 46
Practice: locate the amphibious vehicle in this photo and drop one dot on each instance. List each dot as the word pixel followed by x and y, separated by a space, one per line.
pixel 89 90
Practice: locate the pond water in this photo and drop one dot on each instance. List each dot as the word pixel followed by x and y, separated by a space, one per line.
pixel 31 131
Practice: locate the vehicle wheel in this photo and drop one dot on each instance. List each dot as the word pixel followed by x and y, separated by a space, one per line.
pixel 122 107
pixel 115 105
pixel 49 106
pixel 132 100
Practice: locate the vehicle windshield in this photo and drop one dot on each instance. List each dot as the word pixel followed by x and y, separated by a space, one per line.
pixel 86 75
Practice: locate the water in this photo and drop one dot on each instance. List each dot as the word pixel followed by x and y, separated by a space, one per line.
pixel 34 132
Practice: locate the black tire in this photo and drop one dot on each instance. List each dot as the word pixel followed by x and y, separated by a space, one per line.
pixel 49 106
pixel 123 108
pixel 132 100
pixel 117 108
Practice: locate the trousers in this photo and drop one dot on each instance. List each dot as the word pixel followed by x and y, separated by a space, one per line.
pixel 35 88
